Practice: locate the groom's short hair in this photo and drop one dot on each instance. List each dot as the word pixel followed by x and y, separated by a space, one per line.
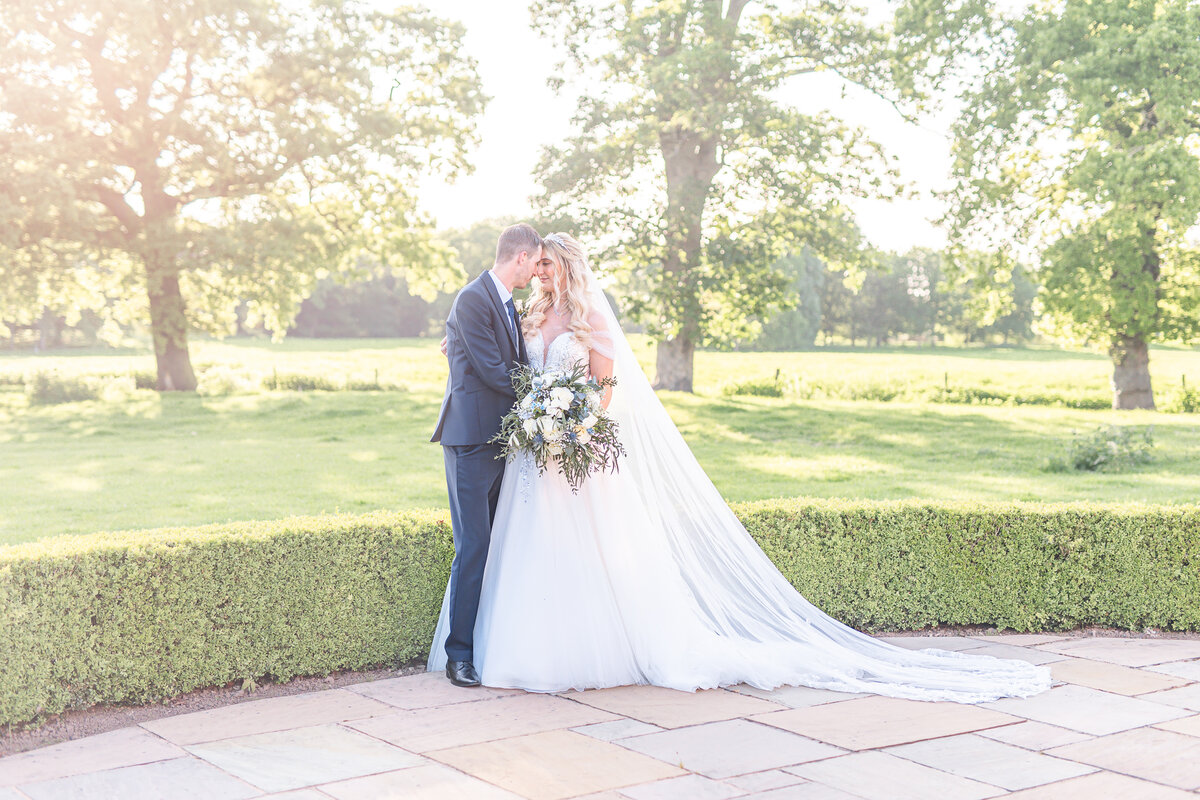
pixel 514 239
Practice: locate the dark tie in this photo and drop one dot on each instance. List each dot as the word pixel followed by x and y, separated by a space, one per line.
pixel 512 314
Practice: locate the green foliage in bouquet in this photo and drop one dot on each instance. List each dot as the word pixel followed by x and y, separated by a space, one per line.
pixel 559 416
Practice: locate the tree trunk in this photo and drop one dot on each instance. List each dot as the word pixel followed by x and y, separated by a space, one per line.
pixel 1131 373
pixel 691 163
pixel 49 334
pixel 673 364
pixel 168 318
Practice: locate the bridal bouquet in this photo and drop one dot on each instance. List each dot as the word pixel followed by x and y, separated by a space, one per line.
pixel 558 416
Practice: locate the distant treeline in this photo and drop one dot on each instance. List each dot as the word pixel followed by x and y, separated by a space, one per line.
pixel 909 299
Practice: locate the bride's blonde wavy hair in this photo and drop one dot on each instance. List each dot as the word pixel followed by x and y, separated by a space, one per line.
pixel 569 292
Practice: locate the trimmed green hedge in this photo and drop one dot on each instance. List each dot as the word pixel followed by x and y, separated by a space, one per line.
pixel 137 617
pixel 1024 566
pixel 141 616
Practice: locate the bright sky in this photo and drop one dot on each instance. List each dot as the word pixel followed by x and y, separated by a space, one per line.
pixel 524 115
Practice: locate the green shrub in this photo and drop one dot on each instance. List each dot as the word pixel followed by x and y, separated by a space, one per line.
pixel 1181 400
pixel 1028 567
pixel 137 617
pixel 354 384
pixel 756 387
pixel 50 388
pixel 1111 448
pixel 298 382
pixel 907 390
pixel 220 379
pixel 144 379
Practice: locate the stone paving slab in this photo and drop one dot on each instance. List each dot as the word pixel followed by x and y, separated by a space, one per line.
pixel 876 775
pixel 872 722
pixel 1123 721
pixel 1112 677
pixel 1155 755
pixel 1189 725
pixel 933 642
pixel 1088 710
pixel 1020 639
pixel 730 747
pixel 265 716
pixel 764 781
pixel 797 696
pixel 807 791
pixel 685 787
pixel 293 759
pixel 1184 697
pixel 427 729
pixel 1103 786
pixel 120 748
pixel 299 794
pixel 426 782
pixel 178 779
pixel 1183 669
pixel 669 708
pixel 1001 650
pixel 426 690
pixel 555 765
pixel 1034 735
pixel 988 761
pixel 1128 652
pixel 618 729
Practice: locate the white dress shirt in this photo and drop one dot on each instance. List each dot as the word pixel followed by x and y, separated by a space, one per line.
pixel 505 296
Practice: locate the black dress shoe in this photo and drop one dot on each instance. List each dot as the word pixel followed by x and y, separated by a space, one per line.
pixel 462 673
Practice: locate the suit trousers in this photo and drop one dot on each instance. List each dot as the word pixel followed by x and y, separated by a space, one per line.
pixel 473 476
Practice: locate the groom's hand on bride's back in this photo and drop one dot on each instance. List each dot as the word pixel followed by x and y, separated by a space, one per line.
pixel 443 345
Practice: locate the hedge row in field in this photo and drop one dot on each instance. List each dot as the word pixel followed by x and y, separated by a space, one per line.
pixel 137 617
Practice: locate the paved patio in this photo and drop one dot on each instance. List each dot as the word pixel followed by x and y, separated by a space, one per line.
pixel 1122 721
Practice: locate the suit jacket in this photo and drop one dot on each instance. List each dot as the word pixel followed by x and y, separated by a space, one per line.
pixel 483 351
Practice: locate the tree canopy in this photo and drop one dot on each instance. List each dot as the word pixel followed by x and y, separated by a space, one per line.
pixel 692 172
pixel 212 152
pixel 1081 144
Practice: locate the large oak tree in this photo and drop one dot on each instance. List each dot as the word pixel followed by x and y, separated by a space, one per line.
pixel 692 172
pixel 214 152
pixel 1082 144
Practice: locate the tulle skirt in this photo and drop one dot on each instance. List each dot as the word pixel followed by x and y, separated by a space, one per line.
pixel 609 587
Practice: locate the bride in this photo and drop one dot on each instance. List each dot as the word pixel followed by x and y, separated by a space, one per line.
pixel 646 576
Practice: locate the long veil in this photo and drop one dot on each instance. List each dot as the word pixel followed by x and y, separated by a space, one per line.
pixel 742 616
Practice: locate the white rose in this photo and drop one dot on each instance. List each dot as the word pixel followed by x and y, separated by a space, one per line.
pixel 528 401
pixel 554 449
pixel 550 430
pixel 561 398
pixel 530 426
pixel 590 421
pixel 584 437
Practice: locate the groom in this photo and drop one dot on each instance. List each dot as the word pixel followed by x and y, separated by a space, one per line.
pixel 483 344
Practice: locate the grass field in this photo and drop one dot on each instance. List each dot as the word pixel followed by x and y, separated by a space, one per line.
pixel 153 460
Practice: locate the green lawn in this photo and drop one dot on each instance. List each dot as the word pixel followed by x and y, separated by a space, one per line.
pixel 177 460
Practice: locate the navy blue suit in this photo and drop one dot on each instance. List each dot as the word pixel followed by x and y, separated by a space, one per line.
pixel 483 350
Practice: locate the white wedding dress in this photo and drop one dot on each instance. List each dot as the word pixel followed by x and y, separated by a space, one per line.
pixel 647 577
